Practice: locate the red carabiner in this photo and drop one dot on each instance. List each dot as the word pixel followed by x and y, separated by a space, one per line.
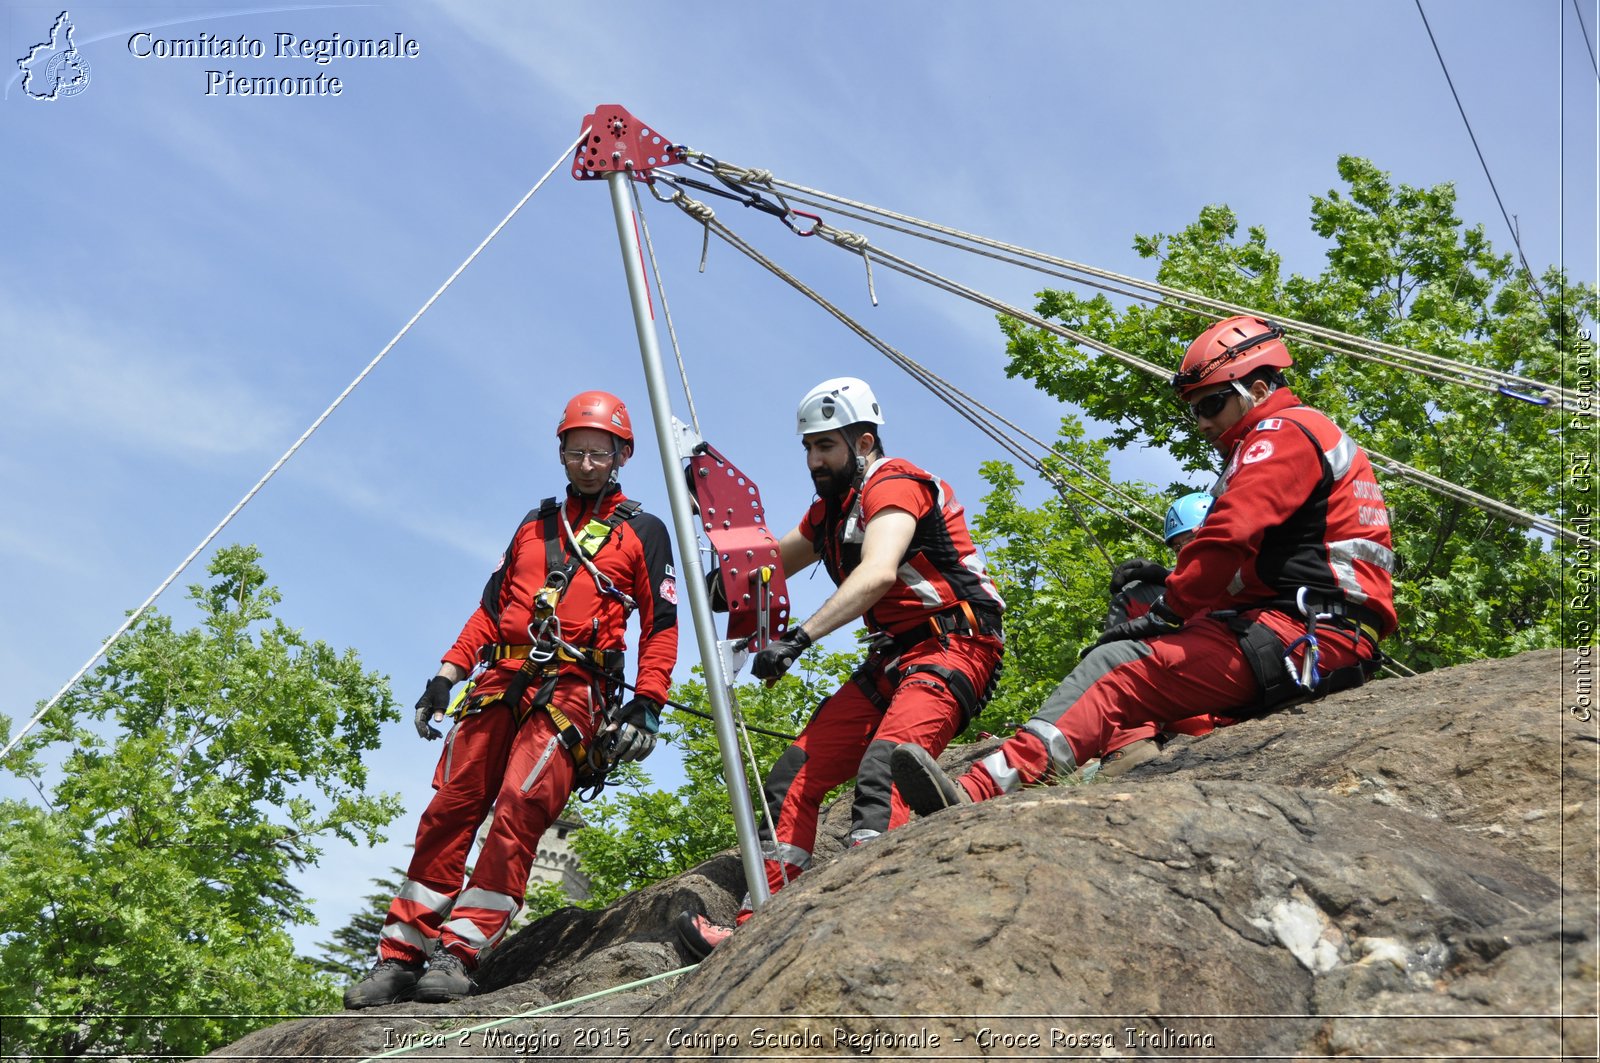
pixel 815 221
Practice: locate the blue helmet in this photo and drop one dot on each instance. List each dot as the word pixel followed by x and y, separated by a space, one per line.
pixel 1186 514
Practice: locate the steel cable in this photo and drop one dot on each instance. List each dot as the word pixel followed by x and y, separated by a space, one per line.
pixel 958 400
pixel 1340 342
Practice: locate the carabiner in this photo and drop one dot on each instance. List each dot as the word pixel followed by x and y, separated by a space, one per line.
pixel 1513 393
pixel 1307 676
pixel 540 646
pixel 816 221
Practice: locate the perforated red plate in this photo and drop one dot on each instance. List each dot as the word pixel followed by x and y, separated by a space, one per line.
pixel 619 141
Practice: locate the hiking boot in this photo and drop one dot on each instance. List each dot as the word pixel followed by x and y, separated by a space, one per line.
pixel 699 934
pixel 389 982
pixel 447 979
pixel 1128 757
pixel 923 784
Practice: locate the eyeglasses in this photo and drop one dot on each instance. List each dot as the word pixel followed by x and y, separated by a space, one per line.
pixel 1211 405
pixel 594 457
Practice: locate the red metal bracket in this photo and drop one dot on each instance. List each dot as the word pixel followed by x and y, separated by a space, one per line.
pixel 747 554
pixel 618 141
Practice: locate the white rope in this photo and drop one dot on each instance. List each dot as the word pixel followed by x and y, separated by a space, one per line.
pixel 1563 399
pixel 1441 486
pixel 134 616
pixel 666 311
pixel 426 1042
pixel 1222 307
pixel 757 776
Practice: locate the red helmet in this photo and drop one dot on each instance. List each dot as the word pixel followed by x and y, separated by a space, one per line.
pixel 1232 348
pixel 597 409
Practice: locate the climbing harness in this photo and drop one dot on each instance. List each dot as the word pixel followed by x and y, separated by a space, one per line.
pixel 547 654
pixel 1284 684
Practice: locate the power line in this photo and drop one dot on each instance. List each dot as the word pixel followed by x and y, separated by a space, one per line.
pixel 1516 240
pixel 1588 48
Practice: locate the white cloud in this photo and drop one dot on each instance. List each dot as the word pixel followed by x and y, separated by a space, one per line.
pixel 72 375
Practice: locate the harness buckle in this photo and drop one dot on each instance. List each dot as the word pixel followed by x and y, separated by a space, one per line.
pixel 546 598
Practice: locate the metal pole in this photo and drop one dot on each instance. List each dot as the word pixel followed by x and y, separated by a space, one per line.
pixel 693 581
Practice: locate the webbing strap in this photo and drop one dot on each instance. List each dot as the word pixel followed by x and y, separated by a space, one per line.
pixel 560 566
pixel 608 660
pixel 959 619
pixel 1264 653
pixel 956 682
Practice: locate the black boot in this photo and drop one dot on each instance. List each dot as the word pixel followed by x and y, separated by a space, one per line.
pixel 447 979
pixel 387 983
pixel 922 783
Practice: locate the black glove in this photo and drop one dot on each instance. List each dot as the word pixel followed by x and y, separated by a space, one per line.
pixel 719 597
pixel 435 701
pixel 636 735
pixel 1138 570
pixel 779 656
pixel 1158 621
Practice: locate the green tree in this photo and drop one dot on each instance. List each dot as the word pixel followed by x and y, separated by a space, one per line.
pixel 642 836
pixel 145 898
pixel 1400 268
pixel 1052 564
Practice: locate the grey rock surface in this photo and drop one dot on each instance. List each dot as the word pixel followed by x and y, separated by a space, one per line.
pixel 1402 870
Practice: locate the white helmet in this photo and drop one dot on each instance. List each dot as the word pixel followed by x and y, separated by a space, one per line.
pixel 835 403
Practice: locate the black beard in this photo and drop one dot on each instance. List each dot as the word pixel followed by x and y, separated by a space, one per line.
pixel 835 484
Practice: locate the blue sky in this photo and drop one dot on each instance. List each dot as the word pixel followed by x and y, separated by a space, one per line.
pixel 190 279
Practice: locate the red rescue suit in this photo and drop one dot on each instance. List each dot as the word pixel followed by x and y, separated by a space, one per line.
pixel 1298 514
pixel 930 669
pixel 513 758
pixel 1131 602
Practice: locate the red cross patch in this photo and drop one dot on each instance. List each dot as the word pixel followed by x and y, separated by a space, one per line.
pixel 1260 450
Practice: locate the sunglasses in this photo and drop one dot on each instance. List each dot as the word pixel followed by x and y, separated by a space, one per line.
pixel 1211 405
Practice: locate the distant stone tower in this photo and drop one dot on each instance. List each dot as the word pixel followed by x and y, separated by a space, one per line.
pixel 554 860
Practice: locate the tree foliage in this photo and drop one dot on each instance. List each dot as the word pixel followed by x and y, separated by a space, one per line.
pixel 145 897
pixel 642 835
pixel 1401 268
pixel 1052 565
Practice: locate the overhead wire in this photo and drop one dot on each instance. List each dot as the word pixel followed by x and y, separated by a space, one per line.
pixel 1408 472
pixel 700 212
pixel 1488 381
pixel 857 245
pixel 970 409
pixel 1588 46
pixel 1516 238
pixel 1510 383
pixel 1217 305
pixel 134 616
pixel 1439 485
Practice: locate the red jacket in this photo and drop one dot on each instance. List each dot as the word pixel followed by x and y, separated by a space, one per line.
pixel 941 567
pixel 1296 506
pixel 637 557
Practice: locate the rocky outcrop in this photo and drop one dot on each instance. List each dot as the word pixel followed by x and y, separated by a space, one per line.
pixel 1403 870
